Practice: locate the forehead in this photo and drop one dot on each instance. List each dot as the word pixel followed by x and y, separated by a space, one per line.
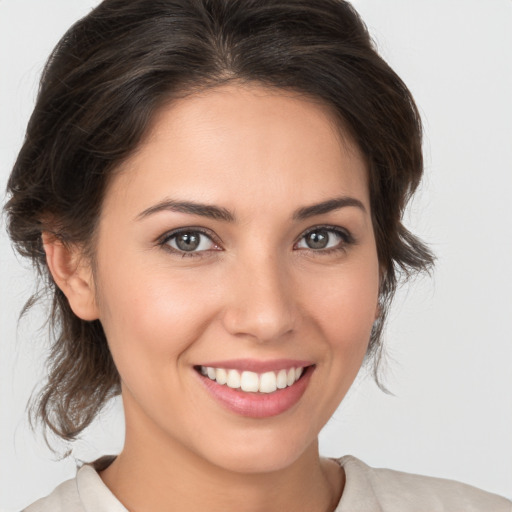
pixel 232 141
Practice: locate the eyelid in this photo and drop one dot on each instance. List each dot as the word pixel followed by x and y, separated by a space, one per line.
pixel 163 240
pixel 345 234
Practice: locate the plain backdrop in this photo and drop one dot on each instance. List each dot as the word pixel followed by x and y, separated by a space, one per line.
pixel 449 341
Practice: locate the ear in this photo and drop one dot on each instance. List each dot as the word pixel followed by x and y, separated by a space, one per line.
pixel 72 276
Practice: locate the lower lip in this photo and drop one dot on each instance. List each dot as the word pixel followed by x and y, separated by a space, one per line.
pixel 258 405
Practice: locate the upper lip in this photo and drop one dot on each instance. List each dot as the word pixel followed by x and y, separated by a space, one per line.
pixel 257 365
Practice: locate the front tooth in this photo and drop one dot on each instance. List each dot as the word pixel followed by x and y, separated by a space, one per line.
pixel 290 376
pixel 233 380
pixel 298 373
pixel 211 372
pixel 268 382
pixel 249 381
pixel 221 376
pixel 281 379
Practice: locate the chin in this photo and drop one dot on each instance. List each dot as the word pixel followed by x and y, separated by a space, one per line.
pixel 259 454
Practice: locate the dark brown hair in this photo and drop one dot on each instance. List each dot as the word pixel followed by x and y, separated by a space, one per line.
pixel 99 91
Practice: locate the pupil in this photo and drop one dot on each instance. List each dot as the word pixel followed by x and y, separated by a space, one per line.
pixel 187 241
pixel 317 239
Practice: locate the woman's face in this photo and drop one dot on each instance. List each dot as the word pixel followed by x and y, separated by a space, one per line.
pixel 237 242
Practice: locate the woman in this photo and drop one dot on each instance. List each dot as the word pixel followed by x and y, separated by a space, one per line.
pixel 214 192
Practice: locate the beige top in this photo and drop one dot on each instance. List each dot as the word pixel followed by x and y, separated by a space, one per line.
pixel 366 490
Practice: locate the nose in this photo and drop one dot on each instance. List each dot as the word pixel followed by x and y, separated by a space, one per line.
pixel 260 301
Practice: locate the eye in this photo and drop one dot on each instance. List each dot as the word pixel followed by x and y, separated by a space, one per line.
pixel 323 238
pixel 189 241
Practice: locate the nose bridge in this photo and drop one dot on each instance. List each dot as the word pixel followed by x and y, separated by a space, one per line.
pixel 260 303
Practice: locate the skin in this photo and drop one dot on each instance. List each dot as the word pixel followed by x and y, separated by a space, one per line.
pixel 257 291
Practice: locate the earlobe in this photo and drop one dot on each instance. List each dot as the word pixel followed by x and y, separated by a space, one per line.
pixel 72 276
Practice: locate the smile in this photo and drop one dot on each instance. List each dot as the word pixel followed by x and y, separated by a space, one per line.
pixel 252 382
pixel 256 389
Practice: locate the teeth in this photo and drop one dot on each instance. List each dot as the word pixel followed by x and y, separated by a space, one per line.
pixel 221 376
pixel 233 379
pixel 252 382
pixel 281 379
pixel 268 382
pixel 249 381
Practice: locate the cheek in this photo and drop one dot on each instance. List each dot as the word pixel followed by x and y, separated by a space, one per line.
pixel 150 319
pixel 344 305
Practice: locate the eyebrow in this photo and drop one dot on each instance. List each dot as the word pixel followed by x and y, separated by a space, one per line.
pixel 204 210
pixel 327 206
pixel 223 214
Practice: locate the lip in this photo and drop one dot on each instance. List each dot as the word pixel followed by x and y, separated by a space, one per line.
pixel 258 366
pixel 257 405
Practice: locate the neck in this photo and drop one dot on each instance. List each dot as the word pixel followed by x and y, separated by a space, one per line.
pixel 155 474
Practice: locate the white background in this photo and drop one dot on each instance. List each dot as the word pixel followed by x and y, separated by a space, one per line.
pixel 449 340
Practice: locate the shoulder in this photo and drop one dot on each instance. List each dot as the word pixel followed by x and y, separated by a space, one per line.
pixel 64 498
pixel 84 493
pixel 386 490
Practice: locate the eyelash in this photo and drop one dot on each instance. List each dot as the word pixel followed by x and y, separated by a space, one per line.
pixel 345 236
pixel 346 239
pixel 167 237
